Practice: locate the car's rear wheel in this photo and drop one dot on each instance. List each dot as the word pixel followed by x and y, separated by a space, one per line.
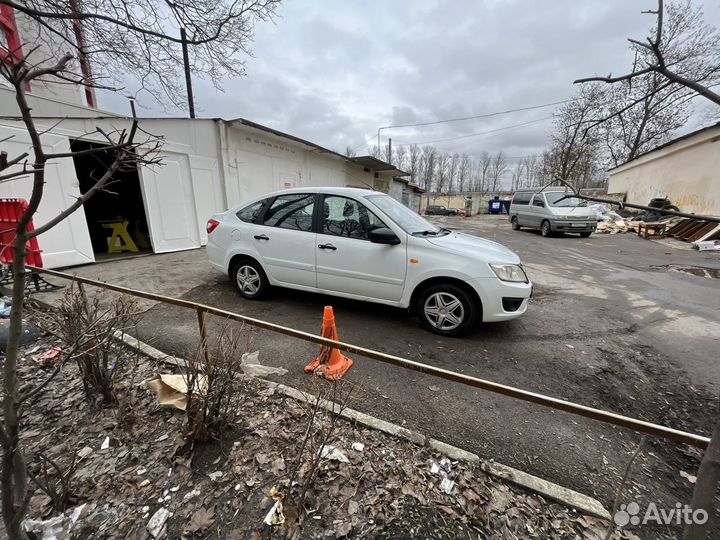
pixel 250 280
pixel 545 228
pixel 447 309
pixel 585 234
pixel 515 223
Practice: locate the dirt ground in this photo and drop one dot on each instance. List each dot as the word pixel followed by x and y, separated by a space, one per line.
pixel 613 324
pixel 381 488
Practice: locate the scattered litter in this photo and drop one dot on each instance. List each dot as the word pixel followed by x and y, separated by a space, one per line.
pixel 358 446
pixel 45 357
pixel 446 464
pixel 569 346
pixel 190 494
pixel 447 485
pixel 434 469
pixel 55 528
pixel 162 438
pixel 707 245
pixel 238 487
pixel 330 452
pixel 144 483
pixel 689 477
pixel 85 452
pixel 215 476
pixel 5 306
pixel 171 390
pixel 105 444
pixel 252 368
pixel 434 388
pixel 156 525
pixel 142 471
pixel 276 515
pixel 175 489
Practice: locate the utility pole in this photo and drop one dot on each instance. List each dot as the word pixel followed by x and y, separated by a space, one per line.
pixel 188 77
pixel 390 151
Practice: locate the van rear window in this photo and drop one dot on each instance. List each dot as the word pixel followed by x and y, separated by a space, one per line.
pixel 522 197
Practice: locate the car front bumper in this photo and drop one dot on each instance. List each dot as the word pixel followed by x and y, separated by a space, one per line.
pixel 572 226
pixel 502 300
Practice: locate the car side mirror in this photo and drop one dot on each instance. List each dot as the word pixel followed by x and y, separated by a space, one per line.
pixel 383 235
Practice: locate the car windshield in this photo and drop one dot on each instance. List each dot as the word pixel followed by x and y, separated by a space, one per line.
pixel 557 199
pixel 406 219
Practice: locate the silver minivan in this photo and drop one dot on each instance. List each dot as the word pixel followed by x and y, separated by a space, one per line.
pixel 552 211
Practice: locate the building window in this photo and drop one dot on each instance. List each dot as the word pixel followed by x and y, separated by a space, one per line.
pixel 10 49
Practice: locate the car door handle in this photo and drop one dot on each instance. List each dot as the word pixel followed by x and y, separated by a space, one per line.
pixel 327 246
pixel 261 237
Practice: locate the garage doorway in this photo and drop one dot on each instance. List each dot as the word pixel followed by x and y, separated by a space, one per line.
pixel 116 216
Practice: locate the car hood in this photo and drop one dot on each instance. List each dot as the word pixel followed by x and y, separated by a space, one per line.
pixel 489 251
pixel 574 212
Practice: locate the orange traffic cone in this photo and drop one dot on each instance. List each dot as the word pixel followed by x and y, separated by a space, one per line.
pixel 330 362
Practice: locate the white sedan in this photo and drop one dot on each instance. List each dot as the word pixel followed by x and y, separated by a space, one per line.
pixel 365 245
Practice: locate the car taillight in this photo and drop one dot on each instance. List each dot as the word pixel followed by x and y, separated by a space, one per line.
pixel 212 225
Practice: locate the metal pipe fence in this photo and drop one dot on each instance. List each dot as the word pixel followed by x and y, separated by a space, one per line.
pixel 201 310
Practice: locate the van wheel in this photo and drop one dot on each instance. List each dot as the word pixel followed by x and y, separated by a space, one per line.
pixel 250 280
pixel 545 229
pixel 585 234
pixel 447 310
pixel 515 224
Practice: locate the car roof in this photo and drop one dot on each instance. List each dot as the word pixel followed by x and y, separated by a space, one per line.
pixel 358 192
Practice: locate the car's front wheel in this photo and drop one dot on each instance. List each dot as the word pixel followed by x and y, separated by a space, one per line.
pixel 250 279
pixel 515 223
pixel 448 310
pixel 585 234
pixel 545 228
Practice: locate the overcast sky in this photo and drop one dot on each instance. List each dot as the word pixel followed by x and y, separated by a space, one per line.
pixel 334 71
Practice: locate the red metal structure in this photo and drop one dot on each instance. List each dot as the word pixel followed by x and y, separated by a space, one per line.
pixel 11 210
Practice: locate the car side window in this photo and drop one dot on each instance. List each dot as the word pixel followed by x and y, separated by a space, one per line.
pixel 348 218
pixel 251 213
pixel 291 212
pixel 538 200
pixel 522 198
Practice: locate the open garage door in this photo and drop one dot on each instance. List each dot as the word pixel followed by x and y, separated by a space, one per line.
pixel 68 243
pixel 170 204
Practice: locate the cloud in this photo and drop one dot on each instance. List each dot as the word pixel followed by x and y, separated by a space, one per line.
pixel 333 72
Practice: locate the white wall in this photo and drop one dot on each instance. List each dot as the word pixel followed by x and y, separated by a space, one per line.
pixel 687 172
pixel 257 162
pixel 179 195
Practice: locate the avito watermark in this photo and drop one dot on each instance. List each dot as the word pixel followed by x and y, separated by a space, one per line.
pixel 681 514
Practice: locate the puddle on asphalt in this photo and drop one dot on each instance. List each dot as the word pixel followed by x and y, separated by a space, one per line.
pixel 700 271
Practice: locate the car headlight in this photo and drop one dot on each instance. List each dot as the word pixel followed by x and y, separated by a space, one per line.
pixel 510 272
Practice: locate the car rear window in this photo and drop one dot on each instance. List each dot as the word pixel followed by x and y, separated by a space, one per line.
pixel 522 197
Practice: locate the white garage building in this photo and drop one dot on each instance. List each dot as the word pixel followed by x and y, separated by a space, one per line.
pixel 208 165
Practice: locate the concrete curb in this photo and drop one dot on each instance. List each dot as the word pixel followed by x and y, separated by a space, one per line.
pixel 583 503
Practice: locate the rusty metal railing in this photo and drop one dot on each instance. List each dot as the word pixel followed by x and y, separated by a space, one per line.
pixel 634 424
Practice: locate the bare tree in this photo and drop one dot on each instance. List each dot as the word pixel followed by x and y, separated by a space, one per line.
pixel 400 159
pixel 127 39
pixel 140 39
pixel 686 53
pixel 574 153
pixel 453 167
pixel 414 163
pixel 484 169
pixel 443 172
pixel 530 167
pixel 463 177
pixel 429 158
pixel 496 172
pixel 517 176
pixel 349 152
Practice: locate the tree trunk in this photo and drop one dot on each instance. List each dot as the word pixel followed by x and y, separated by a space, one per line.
pixel 14 477
pixel 706 486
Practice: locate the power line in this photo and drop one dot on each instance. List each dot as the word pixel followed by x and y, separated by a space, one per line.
pixel 505 128
pixel 488 115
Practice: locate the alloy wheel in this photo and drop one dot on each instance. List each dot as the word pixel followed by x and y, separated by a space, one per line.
pixel 248 280
pixel 444 311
